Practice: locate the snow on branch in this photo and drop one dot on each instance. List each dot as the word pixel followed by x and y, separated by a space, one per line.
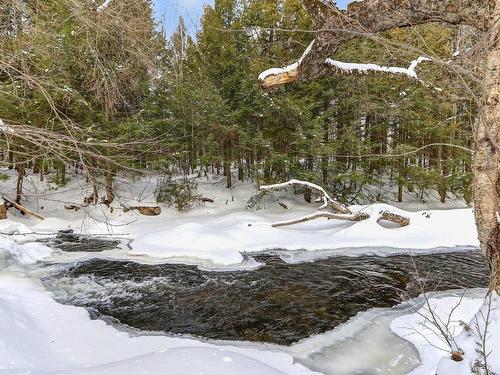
pixel 5 129
pixel 365 68
pixel 318 190
pixel 275 76
pixel 104 6
pixel 340 212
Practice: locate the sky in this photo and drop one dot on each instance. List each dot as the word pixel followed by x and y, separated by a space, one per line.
pixel 170 10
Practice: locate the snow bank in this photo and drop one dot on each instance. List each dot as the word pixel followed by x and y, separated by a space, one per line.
pixel 221 239
pixel 218 234
pixel 461 312
pixel 485 322
pixel 40 335
pixel 28 253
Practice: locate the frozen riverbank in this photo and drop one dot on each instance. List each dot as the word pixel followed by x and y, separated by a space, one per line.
pixel 217 234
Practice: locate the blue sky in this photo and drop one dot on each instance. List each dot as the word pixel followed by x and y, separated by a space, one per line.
pixel 170 10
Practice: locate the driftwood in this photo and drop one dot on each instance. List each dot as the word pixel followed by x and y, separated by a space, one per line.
pixel 349 217
pixel 144 210
pixel 25 211
pixel 328 202
pixel 395 218
pixel 340 212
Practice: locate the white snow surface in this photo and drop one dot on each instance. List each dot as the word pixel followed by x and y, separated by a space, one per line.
pixel 34 329
pixel 460 311
pixel 41 336
pixel 219 234
pixel 28 253
pixel 365 68
pixel 104 6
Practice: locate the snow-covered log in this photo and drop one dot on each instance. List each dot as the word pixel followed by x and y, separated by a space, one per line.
pixel 394 218
pixel 340 212
pixel 328 202
pixel 359 216
pixel 25 211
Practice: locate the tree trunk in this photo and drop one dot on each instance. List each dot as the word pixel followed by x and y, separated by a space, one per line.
pixel 487 159
pixel 19 184
pixel 110 196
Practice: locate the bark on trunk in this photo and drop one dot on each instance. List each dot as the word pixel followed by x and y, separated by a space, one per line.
pixel 110 196
pixel 20 179
pixel 487 158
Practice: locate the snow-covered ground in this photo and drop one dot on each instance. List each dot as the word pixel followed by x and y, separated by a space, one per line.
pixel 219 234
pixel 41 336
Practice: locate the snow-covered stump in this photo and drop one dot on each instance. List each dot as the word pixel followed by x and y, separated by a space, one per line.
pixel 331 209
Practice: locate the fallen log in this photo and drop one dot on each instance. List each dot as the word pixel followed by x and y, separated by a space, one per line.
pixel 359 216
pixel 22 209
pixel 144 210
pixel 328 202
pixel 394 218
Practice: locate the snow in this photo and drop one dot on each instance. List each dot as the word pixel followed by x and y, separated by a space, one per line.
pixel 34 328
pixel 287 69
pixel 365 68
pixel 104 6
pixel 28 253
pixel 471 342
pixel 221 234
pixel 460 311
pixel 221 239
pixel 41 336
pixel 4 128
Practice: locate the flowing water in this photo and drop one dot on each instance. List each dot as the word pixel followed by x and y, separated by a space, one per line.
pixel 277 303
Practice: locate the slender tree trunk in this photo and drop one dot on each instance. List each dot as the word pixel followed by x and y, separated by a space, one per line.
pixel 110 196
pixel 487 159
pixel 20 179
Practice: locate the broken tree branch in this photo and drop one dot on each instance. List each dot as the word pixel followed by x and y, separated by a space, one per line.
pixel 24 210
pixel 359 216
pixel 329 202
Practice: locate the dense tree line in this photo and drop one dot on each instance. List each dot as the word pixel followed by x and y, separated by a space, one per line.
pixel 136 99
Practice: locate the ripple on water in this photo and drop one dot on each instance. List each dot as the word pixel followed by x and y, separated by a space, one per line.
pixel 277 303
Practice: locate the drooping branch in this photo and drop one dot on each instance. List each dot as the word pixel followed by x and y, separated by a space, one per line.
pixel 340 212
pixel 328 201
pixel 336 27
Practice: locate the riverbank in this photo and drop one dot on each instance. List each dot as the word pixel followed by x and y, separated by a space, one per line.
pixel 219 234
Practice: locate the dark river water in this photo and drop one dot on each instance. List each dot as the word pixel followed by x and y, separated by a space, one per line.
pixel 277 303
